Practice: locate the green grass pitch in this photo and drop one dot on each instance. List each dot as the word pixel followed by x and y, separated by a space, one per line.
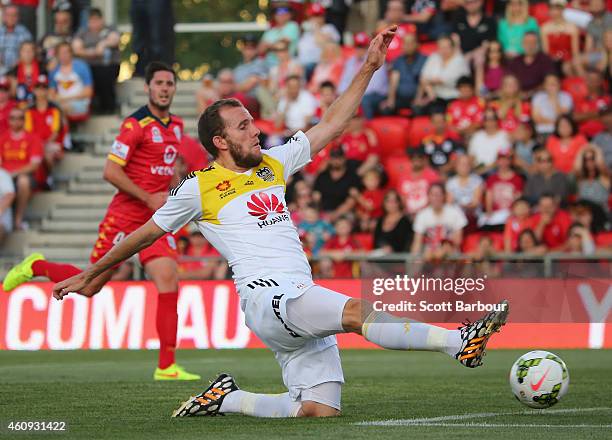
pixel 110 395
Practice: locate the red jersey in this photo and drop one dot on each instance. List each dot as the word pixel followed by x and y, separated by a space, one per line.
pixel 565 155
pixel 357 146
pixel 19 150
pixel 555 233
pixel 45 123
pixel 513 228
pixel 590 104
pixel 376 198
pixel 504 191
pixel 4 115
pixel 512 118
pixel 193 153
pixel 414 189
pixel 146 148
pixel 342 269
pixel 463 114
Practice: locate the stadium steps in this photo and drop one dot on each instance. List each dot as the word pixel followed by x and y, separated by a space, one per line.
pixel 90 187
pixel 72 226
pixel 62 253
pixel 71 239
pixel 63 213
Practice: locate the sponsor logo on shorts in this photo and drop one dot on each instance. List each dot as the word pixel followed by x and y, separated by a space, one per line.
pixel 120 150
pixel 276 308
pixel 249 183
pixel 265 174
pixel 171 242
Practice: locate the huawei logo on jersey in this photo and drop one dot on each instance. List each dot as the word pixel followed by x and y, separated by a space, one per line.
pixel 261 205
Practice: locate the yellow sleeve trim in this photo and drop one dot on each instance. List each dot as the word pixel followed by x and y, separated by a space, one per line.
pixel 116 159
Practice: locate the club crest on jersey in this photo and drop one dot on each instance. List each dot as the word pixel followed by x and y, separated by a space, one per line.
pixel 177 132
pixel 156 135
pixel 224 186
pixel 265 174
pixel 170 155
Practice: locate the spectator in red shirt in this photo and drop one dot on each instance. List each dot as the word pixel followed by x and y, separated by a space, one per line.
pixel 511 110
pixel 360 145
pixel 340 246
pixel 414 185
pixel 502 188
pixel 6 103
pixel 465 113
pixel 516 224
pixel 550 224
pixel 21 155
pixel 369 202
pixel 587 111
pixel 565 143
pixel 203 262
pixel 46 120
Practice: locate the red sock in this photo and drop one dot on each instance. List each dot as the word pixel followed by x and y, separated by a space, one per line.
pixel 166 323
pixel 54 271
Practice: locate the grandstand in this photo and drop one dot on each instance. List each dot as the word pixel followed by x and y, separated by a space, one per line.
pixel 63 221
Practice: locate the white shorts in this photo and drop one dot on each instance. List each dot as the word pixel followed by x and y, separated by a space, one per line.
pixel 298 321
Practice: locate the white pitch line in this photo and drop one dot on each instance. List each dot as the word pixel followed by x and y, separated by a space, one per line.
pixel 435 421
pixel 506 425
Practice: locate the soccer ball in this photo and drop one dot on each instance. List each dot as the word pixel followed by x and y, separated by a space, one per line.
pixel 539 379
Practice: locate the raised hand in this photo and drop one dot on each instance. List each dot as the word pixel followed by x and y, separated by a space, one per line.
pixel 378 47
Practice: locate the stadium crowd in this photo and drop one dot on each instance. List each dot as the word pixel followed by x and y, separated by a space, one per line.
pixel 46 87
pixel 488 131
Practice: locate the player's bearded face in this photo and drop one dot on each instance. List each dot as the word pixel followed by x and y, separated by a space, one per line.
pixel 244 157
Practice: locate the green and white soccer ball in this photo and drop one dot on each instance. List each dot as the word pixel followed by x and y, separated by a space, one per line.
pixel 539 379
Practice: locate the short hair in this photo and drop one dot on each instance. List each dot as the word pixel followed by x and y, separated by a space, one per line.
pixel 62 44
pixel 327 85
pixel 292 77
pixel 95 12
pixel 157 66
pixel 438 185
pixel 211 123
pixel 465 81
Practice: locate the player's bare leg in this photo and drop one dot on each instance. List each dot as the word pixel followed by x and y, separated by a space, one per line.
pixel 467 344
pixel 163 272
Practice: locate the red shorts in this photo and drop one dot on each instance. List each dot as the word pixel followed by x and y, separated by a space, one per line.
pixel 114 229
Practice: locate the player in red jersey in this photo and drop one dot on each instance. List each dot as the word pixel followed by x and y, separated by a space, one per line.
pixel 141 166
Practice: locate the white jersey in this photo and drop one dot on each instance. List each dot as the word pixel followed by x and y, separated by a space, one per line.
pixel 245 215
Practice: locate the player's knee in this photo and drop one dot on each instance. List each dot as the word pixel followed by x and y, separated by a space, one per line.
pixel 314 409
pixel 354 313
pixel 23 182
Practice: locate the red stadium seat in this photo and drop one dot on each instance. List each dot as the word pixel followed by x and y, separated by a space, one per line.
pixel 539 11
pixel 428 48
pixel 347 52
pixel 391 132
pixel 396 166
pixel 421 127
pixel 604 239
pixel 365 240
pixel 575 86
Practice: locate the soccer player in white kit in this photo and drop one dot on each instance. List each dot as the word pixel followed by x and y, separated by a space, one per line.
pixel 238 203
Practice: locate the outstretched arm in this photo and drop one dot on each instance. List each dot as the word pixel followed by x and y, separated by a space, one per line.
pixel 141 238
pixel 338 115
